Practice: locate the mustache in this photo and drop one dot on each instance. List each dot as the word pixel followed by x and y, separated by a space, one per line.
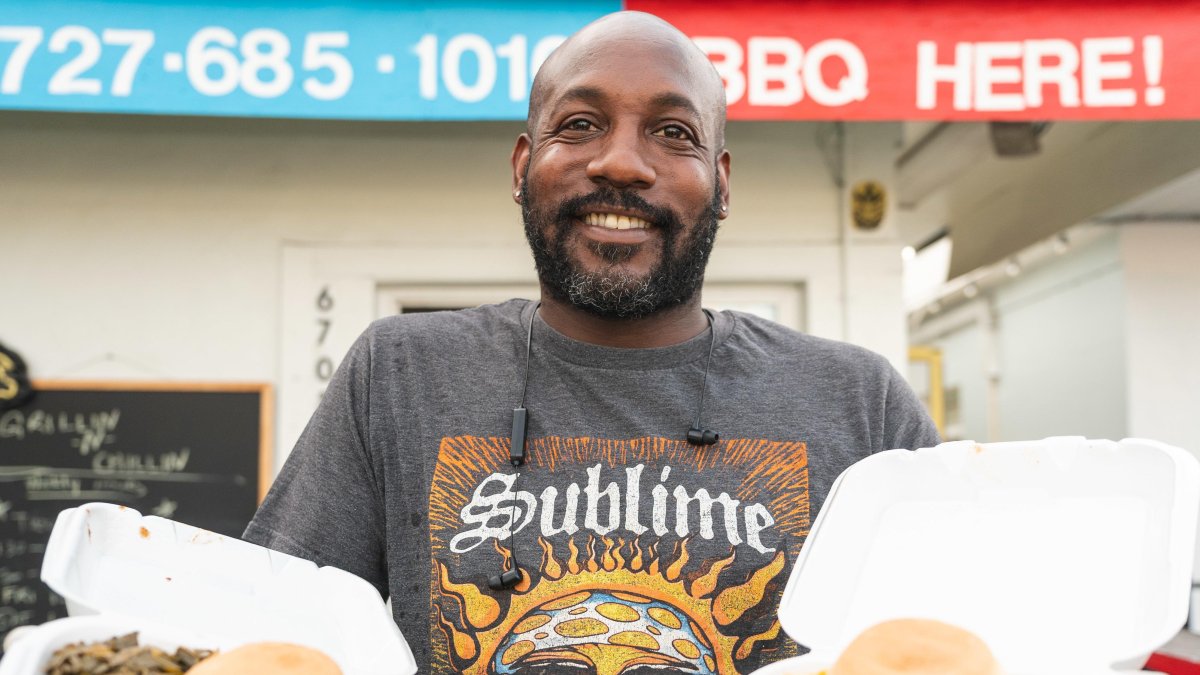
pixel 657 216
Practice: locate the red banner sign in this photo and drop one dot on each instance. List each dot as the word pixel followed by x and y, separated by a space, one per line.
pixel 944 60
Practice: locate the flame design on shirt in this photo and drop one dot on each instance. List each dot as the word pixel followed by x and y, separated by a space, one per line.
pixel 622 615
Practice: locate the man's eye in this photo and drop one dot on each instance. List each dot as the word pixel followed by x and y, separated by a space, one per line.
pixel 675 132
pixel 579 125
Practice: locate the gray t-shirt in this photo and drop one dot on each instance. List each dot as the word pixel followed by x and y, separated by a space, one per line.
pixel 640 550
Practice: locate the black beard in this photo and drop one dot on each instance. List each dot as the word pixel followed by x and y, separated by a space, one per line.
pixel 610 293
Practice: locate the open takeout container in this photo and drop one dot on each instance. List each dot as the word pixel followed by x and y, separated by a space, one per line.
pixel 120 571
pixel 1065 555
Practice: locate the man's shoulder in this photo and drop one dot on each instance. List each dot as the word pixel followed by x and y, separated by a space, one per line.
pixel 780 342
pixel 456 324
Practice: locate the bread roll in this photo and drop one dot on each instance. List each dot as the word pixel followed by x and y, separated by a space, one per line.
pixel 268 658
pixel 916 647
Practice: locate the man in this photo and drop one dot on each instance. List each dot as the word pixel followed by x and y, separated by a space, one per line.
pixel 627 548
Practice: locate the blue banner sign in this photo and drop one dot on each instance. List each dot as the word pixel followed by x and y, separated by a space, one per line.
pixel 348 60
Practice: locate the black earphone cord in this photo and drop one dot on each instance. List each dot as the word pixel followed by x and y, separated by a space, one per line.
pixel 517 458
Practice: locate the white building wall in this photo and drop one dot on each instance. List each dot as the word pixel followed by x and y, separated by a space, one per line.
pixel 153 247
pixel 1162 322
pixel 1062 348
pixel 1055 345
pixel 158 240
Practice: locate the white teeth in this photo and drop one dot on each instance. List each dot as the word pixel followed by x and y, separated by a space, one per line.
pixel 612 221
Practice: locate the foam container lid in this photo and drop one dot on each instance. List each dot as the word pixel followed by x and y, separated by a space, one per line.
pixel 1065 555
pixel 111 560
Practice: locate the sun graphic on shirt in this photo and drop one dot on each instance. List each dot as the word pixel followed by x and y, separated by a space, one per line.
pixel 612 607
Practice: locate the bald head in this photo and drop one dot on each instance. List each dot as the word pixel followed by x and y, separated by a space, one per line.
pixel 622 175
pixel 621 33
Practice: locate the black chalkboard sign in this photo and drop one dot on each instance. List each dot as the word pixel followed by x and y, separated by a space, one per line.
pixel 195 453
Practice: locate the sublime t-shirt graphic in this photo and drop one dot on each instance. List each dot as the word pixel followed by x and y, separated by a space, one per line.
pixel 643 555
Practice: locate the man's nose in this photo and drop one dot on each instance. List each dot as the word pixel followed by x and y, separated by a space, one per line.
pixel 622 161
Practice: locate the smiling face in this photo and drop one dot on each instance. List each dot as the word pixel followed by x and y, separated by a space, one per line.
pixel 622 176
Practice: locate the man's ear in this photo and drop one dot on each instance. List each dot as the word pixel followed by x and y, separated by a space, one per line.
pixel 723 181
pixel 520 163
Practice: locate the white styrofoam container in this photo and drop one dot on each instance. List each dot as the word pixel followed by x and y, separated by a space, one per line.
pixel 182 585
pixel 1065 555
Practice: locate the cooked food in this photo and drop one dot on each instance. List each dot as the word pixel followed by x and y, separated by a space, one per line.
pixel 916 647
pixel 275 658
pixel 122 656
